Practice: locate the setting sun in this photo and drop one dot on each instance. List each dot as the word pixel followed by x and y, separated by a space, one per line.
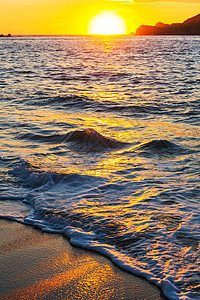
pixel 107 23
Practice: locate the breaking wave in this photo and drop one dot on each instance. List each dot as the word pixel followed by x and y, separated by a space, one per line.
pixel 64 203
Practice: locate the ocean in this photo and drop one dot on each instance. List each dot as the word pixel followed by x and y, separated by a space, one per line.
pixel 100 141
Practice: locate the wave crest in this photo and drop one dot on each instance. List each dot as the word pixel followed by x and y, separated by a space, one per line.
pixel 79 140
pixel 162 147
pixel 92 140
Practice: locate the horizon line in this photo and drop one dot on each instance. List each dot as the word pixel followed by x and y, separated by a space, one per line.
pixel 90 35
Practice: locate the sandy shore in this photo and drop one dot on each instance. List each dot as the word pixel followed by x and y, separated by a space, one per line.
pixel 38 265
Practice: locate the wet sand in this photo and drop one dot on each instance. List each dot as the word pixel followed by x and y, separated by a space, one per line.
pixel 37 265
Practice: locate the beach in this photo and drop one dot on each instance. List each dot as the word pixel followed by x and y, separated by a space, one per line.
pixel 37 265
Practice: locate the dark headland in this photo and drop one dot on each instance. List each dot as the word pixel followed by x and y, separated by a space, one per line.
pixel 8 35
pixel 189 27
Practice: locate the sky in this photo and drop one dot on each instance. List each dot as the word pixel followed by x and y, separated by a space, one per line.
pixel 63 17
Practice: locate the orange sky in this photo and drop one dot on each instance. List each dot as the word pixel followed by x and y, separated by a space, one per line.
pixel 73 16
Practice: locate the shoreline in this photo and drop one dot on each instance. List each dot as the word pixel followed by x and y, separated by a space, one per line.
pixel 39 265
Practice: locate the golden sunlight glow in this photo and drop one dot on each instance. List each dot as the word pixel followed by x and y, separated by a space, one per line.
pixel 107 23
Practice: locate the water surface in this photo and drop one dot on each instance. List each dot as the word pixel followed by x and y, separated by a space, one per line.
pixel 100 141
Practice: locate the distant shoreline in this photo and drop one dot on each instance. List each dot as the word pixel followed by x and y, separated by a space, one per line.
pixel 189 27
pixel 8 35
pixel 92 36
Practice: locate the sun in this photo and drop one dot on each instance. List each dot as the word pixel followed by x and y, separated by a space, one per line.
pixel 107 23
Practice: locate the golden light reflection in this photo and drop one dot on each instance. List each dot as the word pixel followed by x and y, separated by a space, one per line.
pixel 88 275
pixel 110 164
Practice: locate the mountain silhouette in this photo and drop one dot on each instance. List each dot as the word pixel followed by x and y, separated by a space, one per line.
pixel 189 27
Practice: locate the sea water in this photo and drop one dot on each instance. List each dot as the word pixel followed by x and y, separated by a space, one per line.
pixel 100 141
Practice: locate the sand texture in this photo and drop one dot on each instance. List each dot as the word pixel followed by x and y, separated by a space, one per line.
pixel 37 265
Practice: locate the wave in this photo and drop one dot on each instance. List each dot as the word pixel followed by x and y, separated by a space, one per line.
pixel 161 147
pixel 65 203
pixel 90 139
pixel 52 139
pixel 189 113
pixel 95 76
pixel 70 102
pixel 79 140
pixel 77 103
pixel 33 177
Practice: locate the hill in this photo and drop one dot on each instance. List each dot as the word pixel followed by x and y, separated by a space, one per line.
pixel 189 27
